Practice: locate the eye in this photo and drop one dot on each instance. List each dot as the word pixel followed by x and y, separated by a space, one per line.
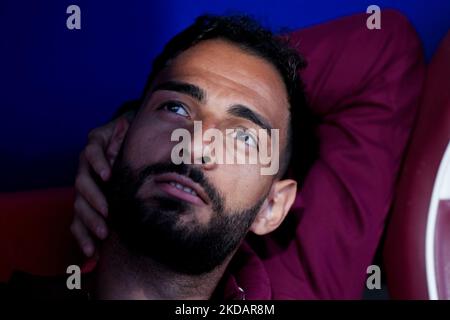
pixel 246 137
pixel 175 107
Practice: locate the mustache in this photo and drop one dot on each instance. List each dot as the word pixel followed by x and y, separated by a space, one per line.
pixel 192 172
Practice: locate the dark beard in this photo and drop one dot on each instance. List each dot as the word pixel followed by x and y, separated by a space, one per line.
pixel 151 227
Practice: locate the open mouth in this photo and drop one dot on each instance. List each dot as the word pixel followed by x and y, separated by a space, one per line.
pixel 181 187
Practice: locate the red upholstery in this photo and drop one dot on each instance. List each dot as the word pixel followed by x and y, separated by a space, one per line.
pixel 34 232
pixel 404 251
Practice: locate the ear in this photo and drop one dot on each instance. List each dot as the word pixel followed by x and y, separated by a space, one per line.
pixel 115 143
pixel 275 208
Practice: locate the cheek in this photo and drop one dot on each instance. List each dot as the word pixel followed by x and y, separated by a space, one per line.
pixel 148 143
pixel 242 185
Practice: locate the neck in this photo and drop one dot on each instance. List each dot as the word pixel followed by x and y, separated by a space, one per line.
pixel 121 275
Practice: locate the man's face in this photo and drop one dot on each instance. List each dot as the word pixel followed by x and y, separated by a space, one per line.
pixel 197 212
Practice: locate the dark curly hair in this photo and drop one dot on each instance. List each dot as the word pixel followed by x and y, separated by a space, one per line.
pixel 302 147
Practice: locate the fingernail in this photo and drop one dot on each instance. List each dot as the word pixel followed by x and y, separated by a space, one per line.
pixel 88 250
pixel 101 232
pixel 104 174
pixel 105 211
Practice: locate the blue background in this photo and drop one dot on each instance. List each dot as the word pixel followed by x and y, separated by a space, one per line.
pixel 57 84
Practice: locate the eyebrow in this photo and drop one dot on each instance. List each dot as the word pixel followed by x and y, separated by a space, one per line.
pixel 237 110
pixel 182 87
pixel 244 112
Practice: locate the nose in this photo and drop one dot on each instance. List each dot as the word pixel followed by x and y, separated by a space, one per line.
pixel 203 157
pixel 200 150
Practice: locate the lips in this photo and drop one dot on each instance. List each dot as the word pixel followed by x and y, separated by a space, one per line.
pixel 182 187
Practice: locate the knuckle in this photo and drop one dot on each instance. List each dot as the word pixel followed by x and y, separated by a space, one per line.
pixel 89 151
pixel 92 134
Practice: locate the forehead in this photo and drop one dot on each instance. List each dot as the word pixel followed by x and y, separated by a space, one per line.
pixel 227 72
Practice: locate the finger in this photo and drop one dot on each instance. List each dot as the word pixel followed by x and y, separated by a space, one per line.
pixel 119 132
pixel 90 218
pixel 102 134
pixel 95 155
pixel 82 236
pixel 89 190
pixel 113 150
